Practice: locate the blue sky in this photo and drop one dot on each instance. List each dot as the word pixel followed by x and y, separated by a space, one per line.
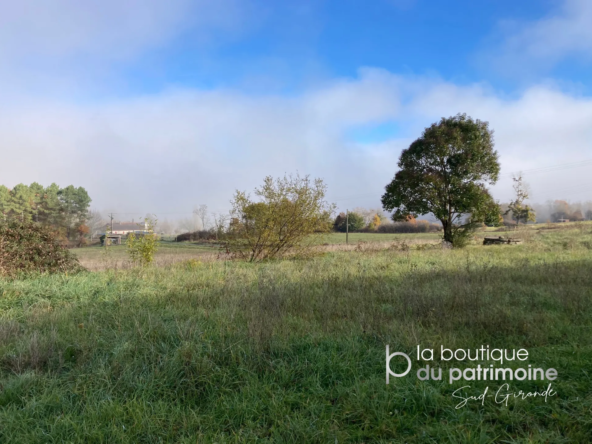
pixel 198 98
pixel 287 46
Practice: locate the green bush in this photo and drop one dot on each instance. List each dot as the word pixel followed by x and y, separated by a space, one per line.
pixel 354 220
pixel 420 226
pixel 196 236
pixel 27 247
pixel 142 247
pixel 290 212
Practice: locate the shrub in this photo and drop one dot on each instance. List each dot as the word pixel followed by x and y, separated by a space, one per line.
pixel 290 211
pixel 420 226
pixel 197 235
pixel 141 247
pixel 28 247
pixel 354 220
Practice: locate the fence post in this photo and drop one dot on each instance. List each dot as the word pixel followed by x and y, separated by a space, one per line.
pixel 346 227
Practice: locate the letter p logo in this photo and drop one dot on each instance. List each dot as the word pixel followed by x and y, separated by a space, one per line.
pixel 388 364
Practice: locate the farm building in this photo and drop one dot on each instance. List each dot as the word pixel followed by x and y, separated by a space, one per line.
pixel 129 227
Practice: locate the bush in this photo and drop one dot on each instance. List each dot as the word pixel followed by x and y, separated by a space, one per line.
pixel 27 247
pixel 141 247
pixel 355 221
pixel 289 212
pixel 196 236
pixel 420 226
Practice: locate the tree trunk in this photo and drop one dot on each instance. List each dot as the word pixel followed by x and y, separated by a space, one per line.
pixel 447 226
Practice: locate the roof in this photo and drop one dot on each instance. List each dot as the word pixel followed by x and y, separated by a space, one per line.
pixel 128 226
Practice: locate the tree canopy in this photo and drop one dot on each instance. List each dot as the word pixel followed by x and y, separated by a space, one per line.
pixel 445 173
pixel 65 209
pixel 349 222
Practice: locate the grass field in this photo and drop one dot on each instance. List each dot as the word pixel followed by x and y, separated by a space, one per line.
pixel 294 351
pixel 96 258
pixel 339 238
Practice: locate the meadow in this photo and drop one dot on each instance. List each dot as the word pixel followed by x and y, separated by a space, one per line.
pixel 96 258
pixel 216 351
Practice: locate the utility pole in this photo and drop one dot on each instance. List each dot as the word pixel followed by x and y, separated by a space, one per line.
pixel 111 216
pixel 346 227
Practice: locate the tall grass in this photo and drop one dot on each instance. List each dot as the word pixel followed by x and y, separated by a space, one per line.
pixel 293 351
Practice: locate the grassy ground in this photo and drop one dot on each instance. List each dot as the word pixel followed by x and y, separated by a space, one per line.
pixel 97 258
pixel 294 351
pixel 339 238
pixel 94 258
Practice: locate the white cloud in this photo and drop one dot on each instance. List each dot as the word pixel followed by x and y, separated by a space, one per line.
pixel 167 152
pixel 78 48
pixel 567 32
pixel 542 127
pixel 108 29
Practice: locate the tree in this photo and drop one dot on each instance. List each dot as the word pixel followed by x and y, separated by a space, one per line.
pixel 589 215
pixel 369 213
pixel 21 203
pixel 577 216
pixel 339 221
pixel 220 222
pixel 166 228
pixel 290 211
pixel 49 211
pixel 375 223
pixel 185 226
pixel 82 231
pixel 62 209
pixel 520 212
pixel 355 222
pixel 75 203
pixel 95 222
pixel 202 213
pixel 444 172
pixel 4 201
pixel 560 206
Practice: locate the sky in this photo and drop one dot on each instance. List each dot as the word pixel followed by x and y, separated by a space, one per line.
pixel 157 106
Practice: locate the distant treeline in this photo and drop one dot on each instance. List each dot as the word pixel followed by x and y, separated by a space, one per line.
pixel 556 211
pixel 65 209
pixel 413 226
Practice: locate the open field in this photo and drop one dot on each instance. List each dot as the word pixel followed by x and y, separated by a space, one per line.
pixel 294 351
pixel 339 238
pixel 96 258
